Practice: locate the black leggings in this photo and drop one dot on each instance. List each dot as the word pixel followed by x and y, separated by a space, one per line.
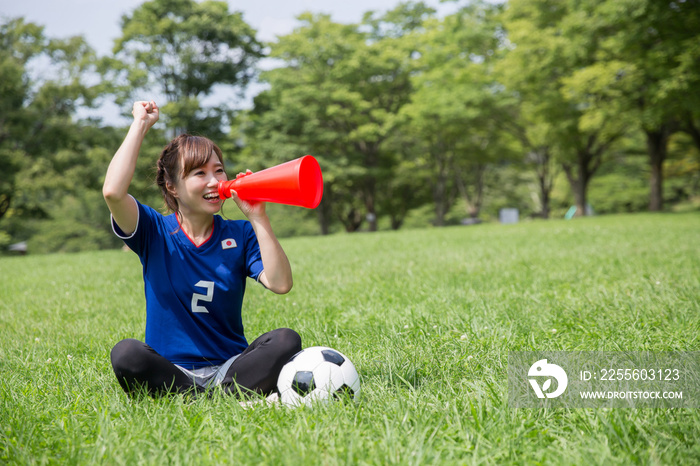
pixel 138 366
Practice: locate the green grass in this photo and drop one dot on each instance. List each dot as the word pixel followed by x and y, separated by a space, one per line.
pixel 427 316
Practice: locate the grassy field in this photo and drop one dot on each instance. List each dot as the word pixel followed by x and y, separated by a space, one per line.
pixel 427 316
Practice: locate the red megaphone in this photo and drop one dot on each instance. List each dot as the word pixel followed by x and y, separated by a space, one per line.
pixel 298 182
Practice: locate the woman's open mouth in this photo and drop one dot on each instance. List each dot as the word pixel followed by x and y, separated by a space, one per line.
pixel 212 197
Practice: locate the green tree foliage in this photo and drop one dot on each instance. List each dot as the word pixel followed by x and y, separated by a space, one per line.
pixel 413 117
pixel 455 108
pixel 299 114
pixel 337 95
pixel 51 163
pixel 529 73
pixel 645 70
pixel 546 49
pixel 182 50
pixel 20 43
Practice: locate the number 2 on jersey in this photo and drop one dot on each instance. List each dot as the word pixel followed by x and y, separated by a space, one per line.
pixel 196 297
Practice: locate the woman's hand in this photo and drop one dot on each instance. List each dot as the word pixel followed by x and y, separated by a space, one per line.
pixel 251 209
pixel 146 112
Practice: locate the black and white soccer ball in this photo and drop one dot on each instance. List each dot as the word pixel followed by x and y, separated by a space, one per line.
pixel 316 374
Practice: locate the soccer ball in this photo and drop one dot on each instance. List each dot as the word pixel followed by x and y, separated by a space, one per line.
pixel 317 374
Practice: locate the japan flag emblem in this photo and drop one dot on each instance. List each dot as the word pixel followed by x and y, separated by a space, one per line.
pixel 228 243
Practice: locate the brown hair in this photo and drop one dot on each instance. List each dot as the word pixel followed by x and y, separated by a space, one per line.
pixel 182 155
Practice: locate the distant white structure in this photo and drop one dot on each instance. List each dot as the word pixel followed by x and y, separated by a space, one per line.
pixel 20 247
pixel 508 215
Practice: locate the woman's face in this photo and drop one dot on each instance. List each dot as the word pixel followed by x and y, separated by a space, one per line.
pixel 197 191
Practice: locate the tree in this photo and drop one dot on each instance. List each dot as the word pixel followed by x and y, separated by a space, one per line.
pixel 337 95
pixel 182 50
pixel 646 70
pixel 297 114
pixel 20 43
pixel 529 73
pixel 454 108
pixel 522 117
pixel 385 69
pixel 549 42
pixel 49 160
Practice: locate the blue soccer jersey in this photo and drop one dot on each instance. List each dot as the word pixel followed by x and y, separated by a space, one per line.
pixel 194 294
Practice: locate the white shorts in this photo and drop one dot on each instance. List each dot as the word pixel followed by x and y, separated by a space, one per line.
pixel 210 376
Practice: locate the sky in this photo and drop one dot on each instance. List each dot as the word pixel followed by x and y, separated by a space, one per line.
pixel 98 20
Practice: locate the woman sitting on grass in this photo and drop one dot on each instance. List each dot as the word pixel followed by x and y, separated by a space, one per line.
pixel 195 266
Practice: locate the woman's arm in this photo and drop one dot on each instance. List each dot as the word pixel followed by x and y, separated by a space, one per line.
pixel 277 275
pixel 121 169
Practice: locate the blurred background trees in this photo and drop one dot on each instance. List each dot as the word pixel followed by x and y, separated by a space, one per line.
pixel 416 119
pixel 180 51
